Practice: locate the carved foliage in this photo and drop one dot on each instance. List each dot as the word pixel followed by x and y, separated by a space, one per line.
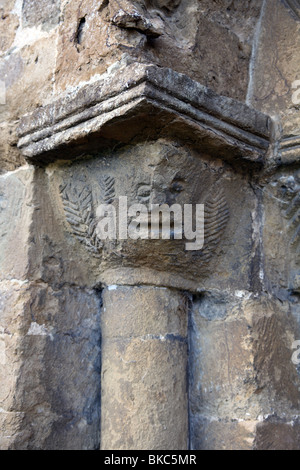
pixel 79 211
pixel 107 184
pixel 216 219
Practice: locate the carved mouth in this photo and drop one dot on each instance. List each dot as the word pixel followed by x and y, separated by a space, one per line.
pixel 160 232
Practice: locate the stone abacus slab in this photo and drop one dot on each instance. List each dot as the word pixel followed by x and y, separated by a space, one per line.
pixel 139 100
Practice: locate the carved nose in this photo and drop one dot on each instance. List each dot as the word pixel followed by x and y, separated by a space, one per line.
pixel 158 197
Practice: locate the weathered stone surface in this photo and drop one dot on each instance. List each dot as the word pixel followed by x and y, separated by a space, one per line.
pixel 21 73
pixel 40 393
pixel 241 369
pixel 144 369
pixel 214 434
pixel 239 17
pixel 271 434
pixel 9 23
pixel 75 344
pixel 281 233
pixel 16 191
pixel 53 258
pixel 277 56
pixel 11 157
pixel 160 312
pixel 27 63
pixel 186 39
pixel 278 434
pixel 12 424
pixel 32 239
pixel 41 406
pixel 45 13
pixel 222 367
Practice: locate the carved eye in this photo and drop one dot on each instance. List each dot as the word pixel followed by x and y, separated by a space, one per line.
pixel 143 193
pixel 177 187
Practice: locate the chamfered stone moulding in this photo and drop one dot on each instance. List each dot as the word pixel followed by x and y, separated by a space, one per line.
pixel 141 98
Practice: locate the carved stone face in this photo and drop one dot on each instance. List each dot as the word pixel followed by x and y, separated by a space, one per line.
pixel 158 173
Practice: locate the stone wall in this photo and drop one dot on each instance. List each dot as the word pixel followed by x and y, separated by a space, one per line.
pixel 109 98
pixel 49 47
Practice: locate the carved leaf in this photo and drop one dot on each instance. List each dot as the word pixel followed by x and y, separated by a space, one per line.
pixel 215 221
pixel 78 207
pixel 107 184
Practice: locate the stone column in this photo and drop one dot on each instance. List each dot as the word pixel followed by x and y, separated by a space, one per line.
pixel 144 369
pixel 184 160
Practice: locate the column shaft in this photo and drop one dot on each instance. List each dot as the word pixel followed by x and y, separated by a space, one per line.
pixel 144 369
